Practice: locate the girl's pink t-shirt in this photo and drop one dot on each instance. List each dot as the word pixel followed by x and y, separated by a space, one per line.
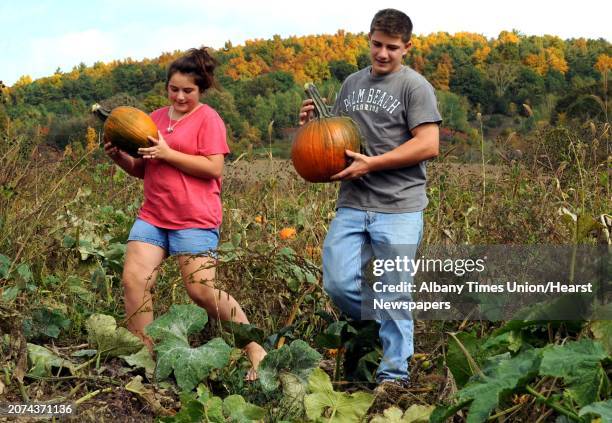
pixel 174 199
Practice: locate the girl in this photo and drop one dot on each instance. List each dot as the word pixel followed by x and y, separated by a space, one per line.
pixel 182 210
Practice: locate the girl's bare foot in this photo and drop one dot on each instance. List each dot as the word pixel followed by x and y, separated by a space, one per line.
pixel 255 353
pixel 149 344
pixel 146 340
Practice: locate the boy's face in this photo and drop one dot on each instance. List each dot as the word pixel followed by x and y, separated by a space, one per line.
pixel 386 52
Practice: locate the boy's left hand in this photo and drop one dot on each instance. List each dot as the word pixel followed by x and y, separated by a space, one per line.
pixel 359 167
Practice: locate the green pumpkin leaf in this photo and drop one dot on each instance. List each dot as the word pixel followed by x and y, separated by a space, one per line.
pixel 191 411
pixel 206 408
pixel 9 294
pixel 174 354
pixel 298 359
pixel 141 359
pixel 442 413
pixel 115 251
pixel 602 409
pixel 331 337
pixel 148 395
pixel 602 332
pixel 194 364
pixel 294 392
pixel 240 411
pixel 24 272
pixel 179 322
pixel 319 382
pixel 390 415
pixel 212 406
pixel 42 361
pixel 271 366
pixel 5 265
pixel 240 335
pixel 45 323
pixel 213 411
pixel 75 285
pixel 507 341
pixel 501 377
pixel 414 414
pixel 293 388
pixel 418 413
pixel 84 353
pixel 579 364
pixel 68 241
pixel 456 359
pixel 335 407
pixel 367 365
pixel 103 333
pixel 584 226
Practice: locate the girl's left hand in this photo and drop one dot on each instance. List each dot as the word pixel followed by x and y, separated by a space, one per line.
pixel 160 149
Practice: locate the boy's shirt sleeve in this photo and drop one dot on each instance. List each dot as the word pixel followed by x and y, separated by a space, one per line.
pixel 422 106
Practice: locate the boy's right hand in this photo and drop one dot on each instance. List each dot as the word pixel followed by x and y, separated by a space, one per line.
pixel 307 111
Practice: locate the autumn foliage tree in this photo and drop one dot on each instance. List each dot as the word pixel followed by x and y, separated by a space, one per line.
pixel 261 81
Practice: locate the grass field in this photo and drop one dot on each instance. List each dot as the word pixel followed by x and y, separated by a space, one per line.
pixel 64 220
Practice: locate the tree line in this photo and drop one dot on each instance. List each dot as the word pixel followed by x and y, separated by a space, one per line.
pixel 512 79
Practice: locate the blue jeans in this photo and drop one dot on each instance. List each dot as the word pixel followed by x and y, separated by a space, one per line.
pixel 349 231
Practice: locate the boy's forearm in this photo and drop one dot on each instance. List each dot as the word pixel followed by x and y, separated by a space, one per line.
pixel 410 153
pixel 423 146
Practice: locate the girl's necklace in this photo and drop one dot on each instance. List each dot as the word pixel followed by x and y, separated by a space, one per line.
pixel 171 126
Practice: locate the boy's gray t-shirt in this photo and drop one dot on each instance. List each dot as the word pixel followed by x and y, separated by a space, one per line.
pixel 386 108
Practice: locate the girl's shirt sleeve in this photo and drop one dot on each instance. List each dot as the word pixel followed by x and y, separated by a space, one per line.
pixel 212 137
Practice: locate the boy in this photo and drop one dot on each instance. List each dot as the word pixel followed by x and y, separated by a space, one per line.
pixel 382 193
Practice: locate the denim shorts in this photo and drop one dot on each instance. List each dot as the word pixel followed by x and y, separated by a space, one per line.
pixel 176 241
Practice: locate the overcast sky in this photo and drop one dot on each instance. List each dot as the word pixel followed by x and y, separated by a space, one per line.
pixel 37 37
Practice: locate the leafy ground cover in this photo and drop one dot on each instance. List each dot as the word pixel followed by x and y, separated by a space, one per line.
pixel 63 225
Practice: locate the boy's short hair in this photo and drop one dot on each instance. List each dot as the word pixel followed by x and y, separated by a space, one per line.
pixel 392 22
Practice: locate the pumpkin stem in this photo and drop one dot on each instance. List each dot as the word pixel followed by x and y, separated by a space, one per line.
pixel 321 108
pixel 100 111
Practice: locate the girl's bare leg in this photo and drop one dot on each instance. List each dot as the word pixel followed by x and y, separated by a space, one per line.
pixel 198 275
pixel 139 274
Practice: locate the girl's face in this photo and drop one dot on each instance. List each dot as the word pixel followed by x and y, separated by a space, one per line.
pixel 183 93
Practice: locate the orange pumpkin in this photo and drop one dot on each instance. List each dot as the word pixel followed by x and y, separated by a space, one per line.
pixel 318 150
pixel 287 233
pixel 126 127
